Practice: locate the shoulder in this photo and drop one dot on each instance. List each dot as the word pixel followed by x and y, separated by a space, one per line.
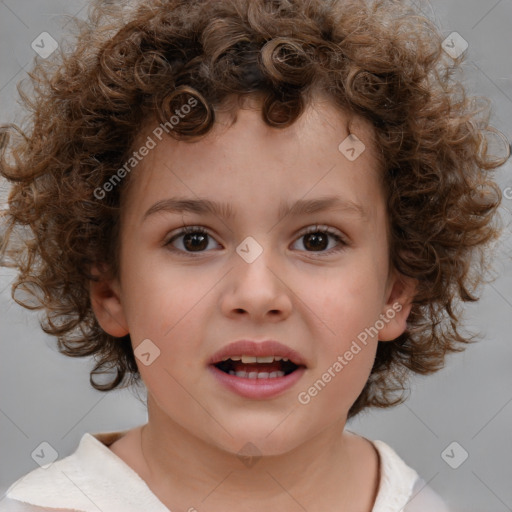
pixel 401 488
pixel 425 499
pixel 10 505
pixel 91 478
pixel 59 484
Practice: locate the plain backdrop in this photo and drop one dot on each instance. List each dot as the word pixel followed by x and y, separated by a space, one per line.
pixel 47 397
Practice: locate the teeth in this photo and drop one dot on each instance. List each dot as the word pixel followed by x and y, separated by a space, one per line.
pixel 257 375
pixel 233 358
pixel 262 375
pixel 254 359
pixel 268 359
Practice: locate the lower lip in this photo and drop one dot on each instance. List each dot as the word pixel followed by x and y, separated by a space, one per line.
pixel 257 388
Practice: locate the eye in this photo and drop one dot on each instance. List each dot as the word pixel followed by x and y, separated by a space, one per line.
pixel 316 239
pixel 194 239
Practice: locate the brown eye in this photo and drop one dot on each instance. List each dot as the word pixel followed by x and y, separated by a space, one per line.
pixel 195 241
pixel 190 240
pixel 316 239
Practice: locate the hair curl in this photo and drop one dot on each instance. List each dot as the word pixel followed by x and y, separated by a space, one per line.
pixel 133 62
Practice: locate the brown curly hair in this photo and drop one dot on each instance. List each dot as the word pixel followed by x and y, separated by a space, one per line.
pixel 133 62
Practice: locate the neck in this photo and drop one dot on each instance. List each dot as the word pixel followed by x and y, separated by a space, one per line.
pixel 332 469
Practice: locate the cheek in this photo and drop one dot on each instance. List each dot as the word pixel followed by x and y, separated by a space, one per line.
pixel 169 321
pixel 163 305
pixel 349 301
pixel 349 306
pixel 342 388
pixel 158 296
pixel 344 363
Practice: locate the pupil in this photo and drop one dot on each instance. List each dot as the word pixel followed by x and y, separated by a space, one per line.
pixel 317 237
pixel 198 239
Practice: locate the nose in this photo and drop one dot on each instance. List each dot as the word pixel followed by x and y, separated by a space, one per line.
pixel 257 290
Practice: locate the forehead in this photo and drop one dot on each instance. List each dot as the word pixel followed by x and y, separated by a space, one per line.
pixel 324 151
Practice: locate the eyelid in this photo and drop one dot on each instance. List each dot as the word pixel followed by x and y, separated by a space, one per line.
pixel 342 239
pixel 324 228
pixel 314 228
pixel 184 230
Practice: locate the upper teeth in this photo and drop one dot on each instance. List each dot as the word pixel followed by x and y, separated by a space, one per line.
pixel 254 359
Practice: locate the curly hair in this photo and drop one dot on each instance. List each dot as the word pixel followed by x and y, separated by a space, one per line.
pixel 377 59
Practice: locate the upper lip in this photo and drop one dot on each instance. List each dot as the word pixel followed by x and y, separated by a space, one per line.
pixel 258 349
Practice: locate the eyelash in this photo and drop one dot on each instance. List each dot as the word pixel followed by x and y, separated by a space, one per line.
pixel 342 243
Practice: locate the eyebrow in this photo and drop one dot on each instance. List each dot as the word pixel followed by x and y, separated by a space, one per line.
pixel 225 211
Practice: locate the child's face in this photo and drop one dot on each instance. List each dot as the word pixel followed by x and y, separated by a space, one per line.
pixel 314 295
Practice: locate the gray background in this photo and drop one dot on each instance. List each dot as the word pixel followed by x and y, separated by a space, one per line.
pixel 46 396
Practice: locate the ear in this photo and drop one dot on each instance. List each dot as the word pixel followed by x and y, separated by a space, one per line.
pixel 400 293
pixel 105 296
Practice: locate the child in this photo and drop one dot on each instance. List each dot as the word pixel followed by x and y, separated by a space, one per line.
pixel 183 166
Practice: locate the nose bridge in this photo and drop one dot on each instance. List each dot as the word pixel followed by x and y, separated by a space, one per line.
pixel 255 286
pixel 257 260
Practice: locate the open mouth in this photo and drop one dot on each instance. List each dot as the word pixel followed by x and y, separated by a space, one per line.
pixel 252 367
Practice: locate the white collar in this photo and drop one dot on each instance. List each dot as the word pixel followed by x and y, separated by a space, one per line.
pixel 90 480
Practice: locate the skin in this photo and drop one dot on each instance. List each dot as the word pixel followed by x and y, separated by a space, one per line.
pixel 315 301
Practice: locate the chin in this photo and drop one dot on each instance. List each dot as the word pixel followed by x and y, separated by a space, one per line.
pixel 253 449
pixel 271 438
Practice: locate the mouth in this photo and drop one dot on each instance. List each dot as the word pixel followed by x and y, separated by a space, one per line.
pixel 254 367
pixel 257 370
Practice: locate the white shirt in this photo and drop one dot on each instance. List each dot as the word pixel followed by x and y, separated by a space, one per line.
pixel 94 479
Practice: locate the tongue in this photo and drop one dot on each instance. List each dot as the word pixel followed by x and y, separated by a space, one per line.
pixel 257 367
